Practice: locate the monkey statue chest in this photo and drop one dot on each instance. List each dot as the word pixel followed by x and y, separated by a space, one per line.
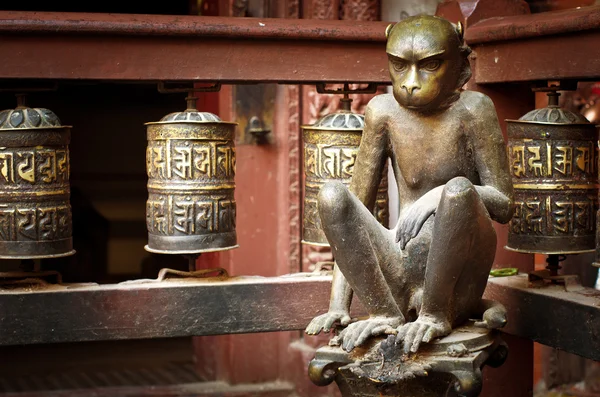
pixel 435 156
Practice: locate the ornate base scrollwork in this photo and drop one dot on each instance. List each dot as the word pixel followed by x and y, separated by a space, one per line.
pixel 450 366
pixel 468 383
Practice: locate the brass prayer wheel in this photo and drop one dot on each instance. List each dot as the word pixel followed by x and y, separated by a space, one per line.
pixel 330 148
pixel 35 213
pixel 553 157
pixel 190 161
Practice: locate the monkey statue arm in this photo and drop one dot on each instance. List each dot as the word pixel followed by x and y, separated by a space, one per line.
pixel 339 306
pixel 373 152
pixel 370 162
pixel 496 190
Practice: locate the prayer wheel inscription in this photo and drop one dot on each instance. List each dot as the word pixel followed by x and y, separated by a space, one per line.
pixel 35 213
pixel 190 161
pixel 554 164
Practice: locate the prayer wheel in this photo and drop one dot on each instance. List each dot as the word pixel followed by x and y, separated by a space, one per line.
pixel 591 111
pixel 330 149
pixel 553 157
pixel 190 161
pixel 35 213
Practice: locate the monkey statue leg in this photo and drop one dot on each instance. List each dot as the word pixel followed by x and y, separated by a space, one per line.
pixel 460 257
pixel 368 258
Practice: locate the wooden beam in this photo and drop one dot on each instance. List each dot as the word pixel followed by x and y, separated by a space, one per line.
pixel 546 46
pixel 158 48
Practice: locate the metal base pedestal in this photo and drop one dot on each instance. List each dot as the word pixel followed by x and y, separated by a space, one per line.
pixel 450 366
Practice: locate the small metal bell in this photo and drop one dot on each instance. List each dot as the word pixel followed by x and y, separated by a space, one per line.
pixel 190 161
pixel 553 157
pixel 330 149
pixel 35 213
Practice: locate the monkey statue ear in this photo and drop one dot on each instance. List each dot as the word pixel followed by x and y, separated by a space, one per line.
pixel 460 31
pixel 388 30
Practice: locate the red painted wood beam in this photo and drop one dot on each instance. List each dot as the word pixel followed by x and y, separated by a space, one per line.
pixel 546 46
pixel 159 47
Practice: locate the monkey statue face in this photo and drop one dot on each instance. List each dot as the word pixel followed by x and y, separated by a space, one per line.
pixel 428 62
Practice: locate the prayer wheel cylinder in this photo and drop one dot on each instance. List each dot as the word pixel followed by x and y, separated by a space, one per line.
pixel 35 213
pixel 330 149
pixel 190 161
pixel 553 156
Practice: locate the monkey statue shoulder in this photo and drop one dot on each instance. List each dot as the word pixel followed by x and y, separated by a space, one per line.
pixel 427 275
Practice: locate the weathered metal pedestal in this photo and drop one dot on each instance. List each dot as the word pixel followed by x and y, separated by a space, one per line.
pixel 450 366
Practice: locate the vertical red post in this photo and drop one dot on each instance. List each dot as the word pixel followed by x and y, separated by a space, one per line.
pixel 268 229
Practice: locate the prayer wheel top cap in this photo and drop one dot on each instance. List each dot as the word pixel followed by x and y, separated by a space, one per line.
pixel 191 115
pixel 343 119
pixel 553 114
pixel 31 118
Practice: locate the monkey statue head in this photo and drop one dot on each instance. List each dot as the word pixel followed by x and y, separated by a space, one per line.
pixel 428 61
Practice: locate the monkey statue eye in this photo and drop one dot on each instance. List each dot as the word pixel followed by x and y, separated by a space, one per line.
pixel 432 65
pixel 399 66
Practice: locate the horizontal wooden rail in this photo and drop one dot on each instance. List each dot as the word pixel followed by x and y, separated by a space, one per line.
pixel 547 46
pixel 550 315
pixel 67 313
pixel 152 309
pixel 520 27
pixel 168 48
pixel 21 22
pixel 118 47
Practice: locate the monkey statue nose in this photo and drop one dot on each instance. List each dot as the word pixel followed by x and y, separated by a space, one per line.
pixel 410 88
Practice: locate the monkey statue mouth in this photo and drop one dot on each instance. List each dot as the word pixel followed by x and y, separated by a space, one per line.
pixel 426 103
pixel 415 101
